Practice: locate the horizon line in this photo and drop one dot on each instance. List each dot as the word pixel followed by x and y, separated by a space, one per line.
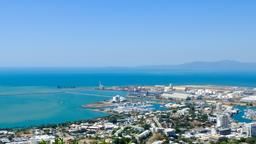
pixel 130 66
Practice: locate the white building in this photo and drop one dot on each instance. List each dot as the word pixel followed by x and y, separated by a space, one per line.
pixel 249 99
pixel 219 107
pixel 170 132
pixel 175 95
pixel 118 98
pixel 143 135
pixel 223 121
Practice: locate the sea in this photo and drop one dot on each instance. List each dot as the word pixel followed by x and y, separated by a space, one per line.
pixel 31 97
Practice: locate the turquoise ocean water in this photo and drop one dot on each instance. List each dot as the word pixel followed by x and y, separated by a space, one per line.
pixel 31 97
pixel 47 105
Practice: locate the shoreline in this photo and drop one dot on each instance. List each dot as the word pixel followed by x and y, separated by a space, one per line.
pixel 55 125
pixel 99 106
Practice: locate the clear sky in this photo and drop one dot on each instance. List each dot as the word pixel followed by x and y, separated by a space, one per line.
pixel 86 33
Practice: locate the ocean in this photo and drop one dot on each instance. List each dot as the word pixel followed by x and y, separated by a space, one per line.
pixel 30 97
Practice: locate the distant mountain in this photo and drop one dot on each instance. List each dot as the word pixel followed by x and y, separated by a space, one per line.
pixel 217 66
pixel 225 65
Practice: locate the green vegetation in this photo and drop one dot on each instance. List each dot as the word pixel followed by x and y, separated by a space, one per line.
pixel 74 142
pixel 59 141
pixel 146 126
pixel 121 141
pixel 114 118
pixel 185 140
pixel 235 141
pixel 43 142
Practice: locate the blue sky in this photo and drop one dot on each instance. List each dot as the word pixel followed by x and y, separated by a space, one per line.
pixel 88 33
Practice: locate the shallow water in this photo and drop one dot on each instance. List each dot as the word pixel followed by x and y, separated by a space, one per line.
pixel 57 106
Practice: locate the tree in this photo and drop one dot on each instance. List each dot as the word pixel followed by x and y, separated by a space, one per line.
pixel 59 141
pixel 234 141
pixel 242 139
pixel 43 142
pixel 146 126
pixel 121 141
pixel 113 119
pixel 74 142
pixel 250 140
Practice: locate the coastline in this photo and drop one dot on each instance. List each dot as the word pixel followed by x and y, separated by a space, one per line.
pixel 56 125
pixel 97 105
pixel 157 104
pixel 100 104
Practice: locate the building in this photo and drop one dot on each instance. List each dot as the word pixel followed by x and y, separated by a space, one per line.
pixel 219 107
pixel 224 131
pixel 180 88
pixel 170 132
pixel 180 96
pixel 249 99
pixel 143 135
pixel 101 86
pixel 251 130
pixel 223 121
pixel 168 88
pixel 118 98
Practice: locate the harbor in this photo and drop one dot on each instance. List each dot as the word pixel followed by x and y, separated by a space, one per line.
pixel 139 112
